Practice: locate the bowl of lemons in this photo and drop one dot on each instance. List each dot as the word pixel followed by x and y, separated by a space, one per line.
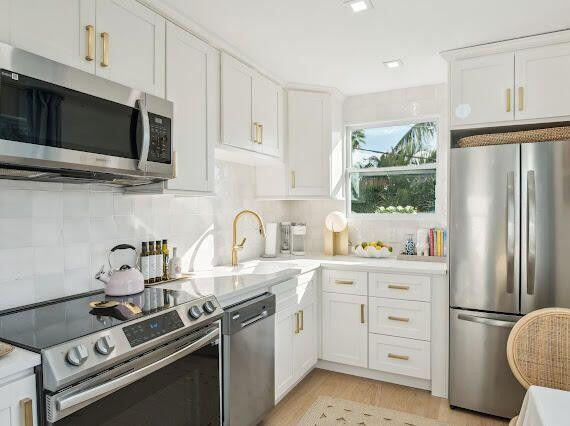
pixel 373 249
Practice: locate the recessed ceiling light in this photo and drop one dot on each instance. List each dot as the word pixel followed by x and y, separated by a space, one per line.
pixel 358 5
pixel 397 63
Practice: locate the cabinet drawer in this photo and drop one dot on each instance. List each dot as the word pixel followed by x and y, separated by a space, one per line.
pixel 398 286
pixel 400 356
pixel 347 282
pixel 400 318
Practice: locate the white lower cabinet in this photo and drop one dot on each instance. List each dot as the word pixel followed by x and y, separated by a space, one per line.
pixel 296 331
pixel 398 355
pixel 401 318
pixel 345 329
pixel 18 402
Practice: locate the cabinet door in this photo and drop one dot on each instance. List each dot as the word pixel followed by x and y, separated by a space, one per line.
pixel 237 126
pixel 191 78
pixel 482 89
pixel 543 82
pixel 12 397
pixel 305 350
pixel 345 329
pixel 309 124
pixel 54 29
pixel 265 113
pixel 135 48
pixel 285 337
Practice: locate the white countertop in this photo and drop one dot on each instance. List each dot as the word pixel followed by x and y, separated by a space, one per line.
pixel 231 285
pixel 18 361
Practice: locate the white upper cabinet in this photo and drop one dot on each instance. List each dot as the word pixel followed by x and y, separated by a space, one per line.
pixel 192 85
pixel 5 21
pixel 130 45
pixel 543 82
pixel 265 115
pixel 309 140
pixel 482 89
pixel 60 30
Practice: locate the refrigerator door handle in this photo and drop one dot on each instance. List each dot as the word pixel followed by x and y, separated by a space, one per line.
pixel 510 232
pixel 530 232
pixel 487 321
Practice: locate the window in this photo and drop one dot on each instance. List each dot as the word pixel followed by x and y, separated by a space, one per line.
pixel 392 169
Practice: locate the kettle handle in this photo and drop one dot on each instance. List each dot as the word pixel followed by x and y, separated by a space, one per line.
pixel 123 247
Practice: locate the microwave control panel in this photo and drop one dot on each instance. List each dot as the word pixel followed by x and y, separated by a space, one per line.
pixel 160 149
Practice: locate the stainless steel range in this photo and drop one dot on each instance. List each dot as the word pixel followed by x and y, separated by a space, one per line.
pixel 160 367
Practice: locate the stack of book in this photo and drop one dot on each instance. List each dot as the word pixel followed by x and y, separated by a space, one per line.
pixel 437 242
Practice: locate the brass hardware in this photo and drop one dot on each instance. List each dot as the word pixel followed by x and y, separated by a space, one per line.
pixel 28 409
pixel 521 98
pixel 362 313
pixel 344 282
pixel 402 319
pixel 301 313
pixel 175 164
pixel 293 180
pixel 90 42
pixel 255 133
pixel 235 246
pixel 508 100
pixel 396 356
pixel 261 134
pixel 105 59
pixel 296 322
pixel 398 287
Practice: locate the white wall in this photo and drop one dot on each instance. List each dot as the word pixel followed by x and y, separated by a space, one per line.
pixel 54 237
pixel 395 105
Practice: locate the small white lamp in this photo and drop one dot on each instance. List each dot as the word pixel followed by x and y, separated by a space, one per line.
pixel 336 234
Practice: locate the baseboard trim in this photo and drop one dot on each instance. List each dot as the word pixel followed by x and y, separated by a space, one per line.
pixel 397 379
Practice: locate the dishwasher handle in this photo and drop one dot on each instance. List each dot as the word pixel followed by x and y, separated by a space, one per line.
pixel 253 320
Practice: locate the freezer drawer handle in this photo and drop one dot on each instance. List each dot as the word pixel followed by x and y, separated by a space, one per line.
pixel 530 232
pixel 487 321
pixel 256 318
pixel 510 232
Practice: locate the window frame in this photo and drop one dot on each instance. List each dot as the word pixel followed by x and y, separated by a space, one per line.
pixel 349 170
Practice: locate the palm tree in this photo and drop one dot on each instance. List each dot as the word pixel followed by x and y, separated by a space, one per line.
pixel 358 139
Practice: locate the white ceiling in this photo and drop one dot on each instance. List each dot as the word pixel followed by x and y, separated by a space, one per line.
pixel 322 42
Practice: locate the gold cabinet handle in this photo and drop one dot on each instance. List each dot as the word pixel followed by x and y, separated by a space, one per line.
pixel 293 180
pixel 301 313
pixel 344 282
pixel 521 98
pixel 401 319
pixel 362 313
pixel 28 411
pixel 174 164
pixel 396 356
pixel 105 58
pixel 254 131
pixel 296 322
pixel 398 287
pixel 90 31
pixel 508 100
pixel 260 134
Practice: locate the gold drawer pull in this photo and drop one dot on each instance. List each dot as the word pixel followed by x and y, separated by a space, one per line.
pixel 362 320
pixel 402 319
pixel 302 316
pixel 105 58
pixel 508 100
pixel 521 98
pixel 27 408
pixel 344 282
pixel 398 287
pixel 296 322
pixel 293 183
pixel 396 356
pixel 90 43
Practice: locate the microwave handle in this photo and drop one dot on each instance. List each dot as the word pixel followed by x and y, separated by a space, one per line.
pixel 146 133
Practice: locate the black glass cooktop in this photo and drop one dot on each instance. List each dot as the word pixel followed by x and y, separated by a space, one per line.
pixel 52 323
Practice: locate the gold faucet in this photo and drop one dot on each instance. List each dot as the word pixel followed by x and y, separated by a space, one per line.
pixel 235 245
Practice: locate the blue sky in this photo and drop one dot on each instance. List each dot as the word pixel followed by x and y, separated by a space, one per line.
pixel 384 138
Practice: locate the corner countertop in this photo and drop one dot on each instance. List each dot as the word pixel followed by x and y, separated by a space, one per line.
pixel 231 285
pixel 17 361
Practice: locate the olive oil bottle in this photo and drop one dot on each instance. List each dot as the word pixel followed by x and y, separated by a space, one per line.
pixel 145 262
pixel 151 262
pixel 159 262
pixel 165 259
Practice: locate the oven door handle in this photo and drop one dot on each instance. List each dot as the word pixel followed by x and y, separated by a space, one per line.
pixel 122 381
pixel 146 133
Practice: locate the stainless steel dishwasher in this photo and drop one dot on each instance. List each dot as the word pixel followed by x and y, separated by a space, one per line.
pixel 249 360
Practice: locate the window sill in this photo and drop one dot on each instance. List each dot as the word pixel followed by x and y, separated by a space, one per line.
pixel 434 218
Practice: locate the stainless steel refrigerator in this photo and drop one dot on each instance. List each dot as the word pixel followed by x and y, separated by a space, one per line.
pixel 509 255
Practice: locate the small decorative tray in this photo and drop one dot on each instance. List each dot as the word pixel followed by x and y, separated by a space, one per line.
pixel 5 349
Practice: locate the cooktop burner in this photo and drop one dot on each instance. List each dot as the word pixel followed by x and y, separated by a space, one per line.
pixel 42 326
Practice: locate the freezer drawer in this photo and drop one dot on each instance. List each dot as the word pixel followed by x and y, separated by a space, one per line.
pixel 480 378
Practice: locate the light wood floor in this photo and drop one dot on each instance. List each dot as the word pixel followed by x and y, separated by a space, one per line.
pixel 395 397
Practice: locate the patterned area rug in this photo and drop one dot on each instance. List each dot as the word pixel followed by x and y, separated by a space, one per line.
pixel 335 411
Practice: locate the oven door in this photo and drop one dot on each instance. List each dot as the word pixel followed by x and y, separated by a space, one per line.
pixel 178 384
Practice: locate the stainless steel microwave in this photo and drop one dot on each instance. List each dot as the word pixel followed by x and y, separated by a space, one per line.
pixel 61 124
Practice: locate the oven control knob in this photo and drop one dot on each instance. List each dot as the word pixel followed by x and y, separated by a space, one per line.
pixel 104 345
pixel 77 355
pixel 209 307
pixel 194 312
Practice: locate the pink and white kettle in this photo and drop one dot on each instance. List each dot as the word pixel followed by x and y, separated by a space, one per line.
pixel 123 281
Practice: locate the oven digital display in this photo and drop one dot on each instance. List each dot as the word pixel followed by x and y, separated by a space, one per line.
pixel 152 328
